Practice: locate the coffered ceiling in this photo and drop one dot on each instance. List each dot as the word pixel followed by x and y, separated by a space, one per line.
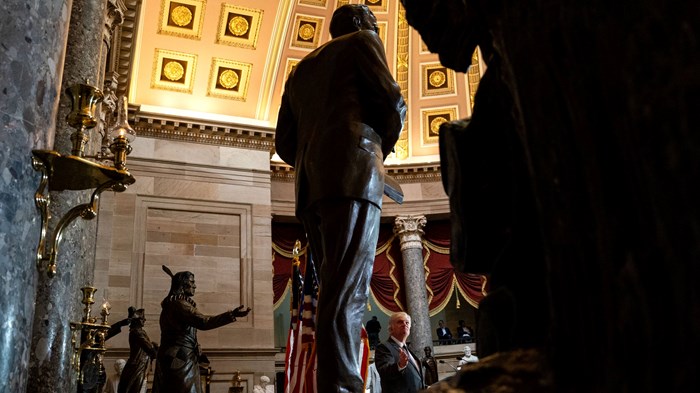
pixel 225 62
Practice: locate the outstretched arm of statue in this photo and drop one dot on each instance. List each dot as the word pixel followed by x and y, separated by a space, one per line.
pixel 196 319
pixel 240 311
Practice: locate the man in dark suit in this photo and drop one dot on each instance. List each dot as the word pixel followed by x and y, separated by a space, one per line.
pixel 399 369
pixel 340 116
pixel 443 332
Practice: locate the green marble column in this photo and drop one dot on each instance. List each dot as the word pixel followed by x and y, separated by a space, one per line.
pixel 58 298
pixel 32 49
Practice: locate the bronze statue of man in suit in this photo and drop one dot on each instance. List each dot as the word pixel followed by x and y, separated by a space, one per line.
pixel 340 116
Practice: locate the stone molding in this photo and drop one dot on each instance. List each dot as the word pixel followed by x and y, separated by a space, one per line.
pixel 415 173
pixel 185 129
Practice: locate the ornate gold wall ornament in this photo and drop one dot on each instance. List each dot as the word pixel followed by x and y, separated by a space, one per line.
pixel 377 5
pixel 318 3
pixel 402 148
pixel 435 124
pixel 182 18
pixel 239 26
pixel 382 27
pixel 173 71
pixel 181 15
pixel 229 79
pixel 432 119
pixel 437 80
pixel 474 77
pixel 291 63
pixel 308 30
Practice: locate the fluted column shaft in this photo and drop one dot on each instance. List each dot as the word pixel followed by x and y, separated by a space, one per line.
pixel 58 298
pixel 410 232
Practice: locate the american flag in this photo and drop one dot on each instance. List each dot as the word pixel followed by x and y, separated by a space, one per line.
pixel 292 355
pixel 308 328
pixel 364 355
pixel 300 360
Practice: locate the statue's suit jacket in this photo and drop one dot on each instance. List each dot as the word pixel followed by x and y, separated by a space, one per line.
pixel 341 114
pixel 393 380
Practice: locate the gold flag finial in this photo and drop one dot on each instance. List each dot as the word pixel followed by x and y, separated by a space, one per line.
pixel 295 252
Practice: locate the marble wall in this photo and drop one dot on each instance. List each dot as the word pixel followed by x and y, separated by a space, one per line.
pixel 200 208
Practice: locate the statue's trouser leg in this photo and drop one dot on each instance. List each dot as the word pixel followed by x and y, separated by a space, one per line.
pixel 343 236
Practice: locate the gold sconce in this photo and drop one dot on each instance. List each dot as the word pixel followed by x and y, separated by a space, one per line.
pixel 82 117
pixel 76 172
pixel 88 355
pixel 121 135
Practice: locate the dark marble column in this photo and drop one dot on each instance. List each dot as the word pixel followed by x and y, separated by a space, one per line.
pixel 32 48
pixel 410 232
pixel 58 298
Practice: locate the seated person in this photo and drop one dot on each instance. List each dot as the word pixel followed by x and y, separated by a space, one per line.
pixel 463 332
pixel 444 334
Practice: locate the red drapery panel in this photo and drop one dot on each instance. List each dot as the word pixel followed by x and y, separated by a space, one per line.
pixel 387 283
pixel 472 287
pixel 283 238
pixel 387 276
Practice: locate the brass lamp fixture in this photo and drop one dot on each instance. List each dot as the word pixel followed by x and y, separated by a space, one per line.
pixel 121 135
pixel 91 334
pixel 76 172
pixel 85 99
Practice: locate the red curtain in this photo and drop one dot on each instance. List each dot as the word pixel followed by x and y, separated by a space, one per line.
pixel 387 285
pixel 283 238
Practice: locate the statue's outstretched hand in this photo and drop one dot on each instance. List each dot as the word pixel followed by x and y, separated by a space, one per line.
pixel 124 322
pixel 241 311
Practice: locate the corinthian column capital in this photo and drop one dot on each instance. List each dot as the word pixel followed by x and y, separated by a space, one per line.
pixel 410 230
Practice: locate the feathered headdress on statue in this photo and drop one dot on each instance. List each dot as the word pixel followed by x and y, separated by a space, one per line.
pixel 177 285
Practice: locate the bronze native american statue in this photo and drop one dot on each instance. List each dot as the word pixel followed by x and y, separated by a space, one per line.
pixel 177 369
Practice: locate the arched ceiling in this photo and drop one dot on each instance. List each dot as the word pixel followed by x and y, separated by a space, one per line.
pixel 225 61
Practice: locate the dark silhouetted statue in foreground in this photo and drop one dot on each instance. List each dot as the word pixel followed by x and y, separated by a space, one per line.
pixel 574 185
pixel 177 368
pixel 430 367
pixel 340 116
pixel 141 351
